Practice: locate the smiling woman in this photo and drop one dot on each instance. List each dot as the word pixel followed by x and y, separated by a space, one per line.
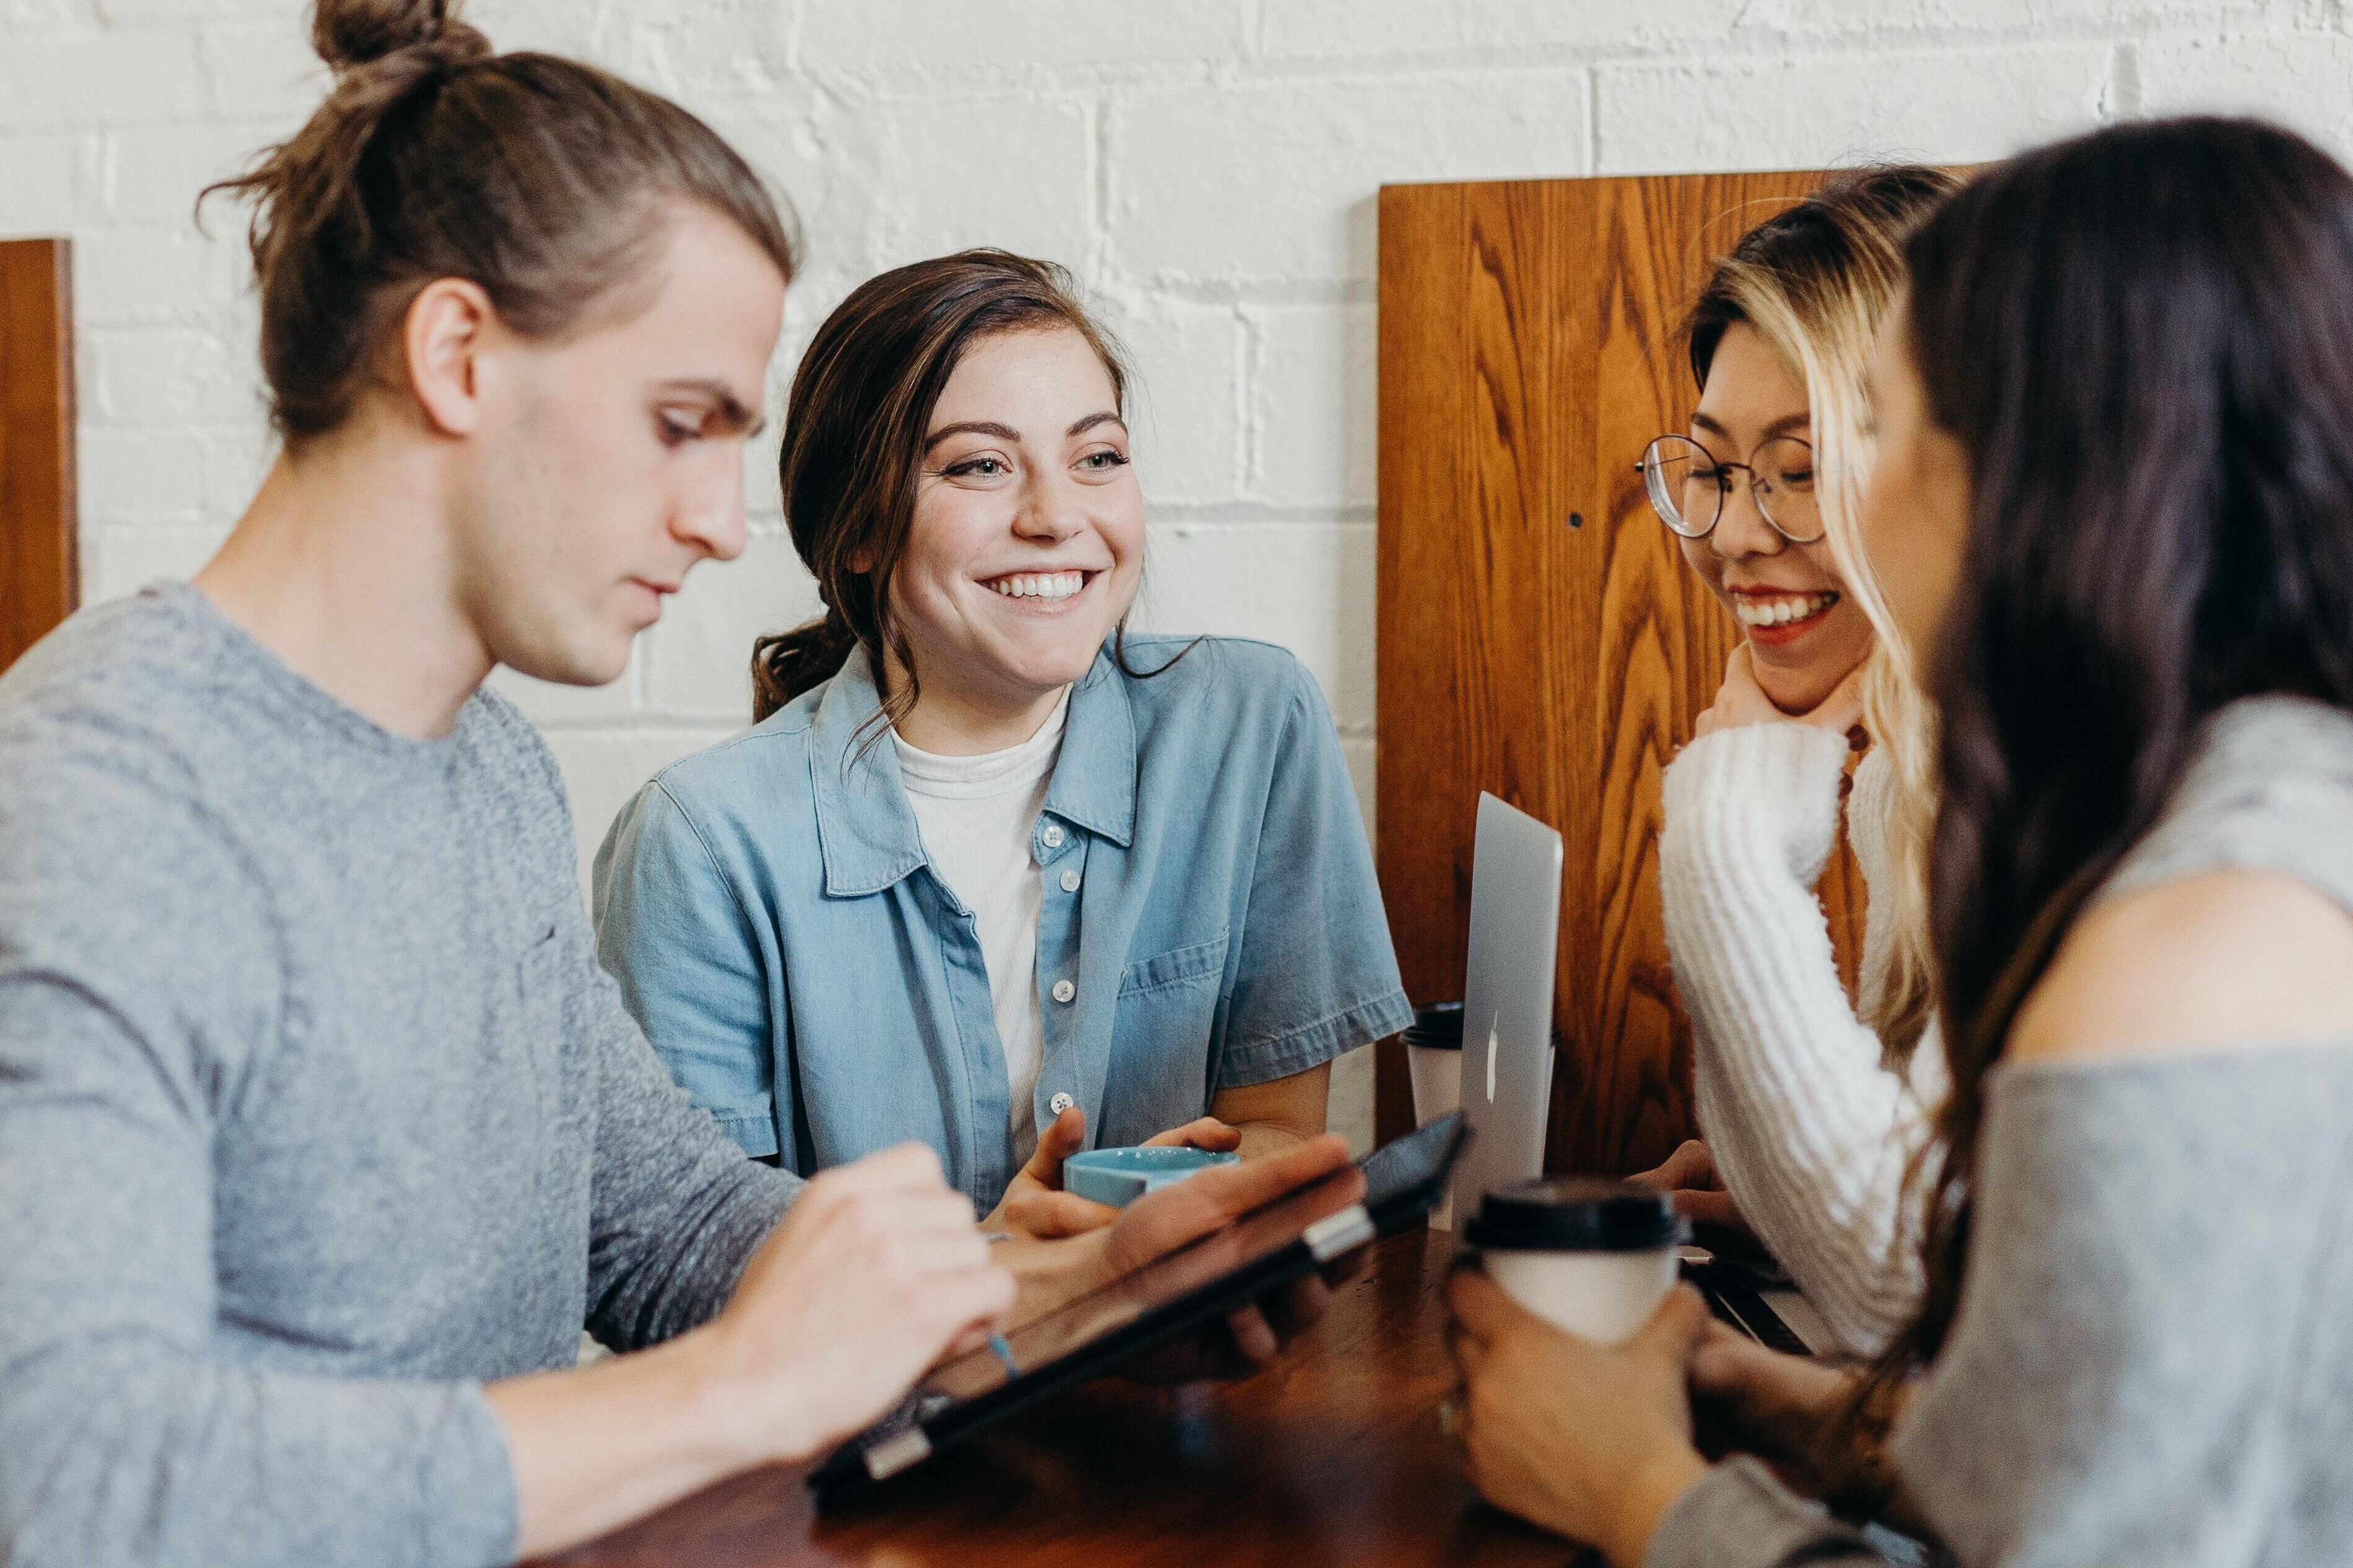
pixel 1753 529
pixel 991 873
pixel 2133 1347
pixel 1810 1103
pixel 1003 596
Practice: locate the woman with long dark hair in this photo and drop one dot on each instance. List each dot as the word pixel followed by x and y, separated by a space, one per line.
pixel 991 873
pixel 2113 512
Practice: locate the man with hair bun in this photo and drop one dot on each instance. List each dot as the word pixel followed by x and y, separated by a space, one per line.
pixel 321 1132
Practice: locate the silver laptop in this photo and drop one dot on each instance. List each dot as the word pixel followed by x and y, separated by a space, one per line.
pixel 1508 1002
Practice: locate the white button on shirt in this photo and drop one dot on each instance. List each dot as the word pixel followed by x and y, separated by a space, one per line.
pixel 1069 881
pixel 1064 990
pixel 1060 1103
pixel 1051 835
pixel 975 814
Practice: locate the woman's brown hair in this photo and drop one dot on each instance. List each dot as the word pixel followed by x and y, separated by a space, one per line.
pixel 853 446
pixel 545 181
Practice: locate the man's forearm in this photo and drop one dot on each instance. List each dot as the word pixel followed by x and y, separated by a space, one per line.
pixel 598 1447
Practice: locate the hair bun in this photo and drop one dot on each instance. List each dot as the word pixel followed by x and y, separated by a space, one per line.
pixel 352 33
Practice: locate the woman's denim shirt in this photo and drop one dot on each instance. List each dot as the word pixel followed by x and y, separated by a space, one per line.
pixel 1210 919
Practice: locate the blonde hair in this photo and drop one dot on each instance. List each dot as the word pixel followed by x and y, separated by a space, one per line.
pixel 1816 282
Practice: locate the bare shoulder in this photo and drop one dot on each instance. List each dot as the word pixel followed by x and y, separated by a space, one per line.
pixel 2228 958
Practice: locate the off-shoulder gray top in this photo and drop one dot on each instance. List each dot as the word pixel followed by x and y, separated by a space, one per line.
pixel 2152 1359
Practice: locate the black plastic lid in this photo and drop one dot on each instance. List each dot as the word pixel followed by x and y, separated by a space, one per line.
pixel 1574 1213
pixel 1436 1027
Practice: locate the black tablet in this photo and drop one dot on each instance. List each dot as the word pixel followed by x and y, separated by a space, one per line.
pixel 1249 1260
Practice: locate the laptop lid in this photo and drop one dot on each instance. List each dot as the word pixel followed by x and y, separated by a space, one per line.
pixel 1507 1001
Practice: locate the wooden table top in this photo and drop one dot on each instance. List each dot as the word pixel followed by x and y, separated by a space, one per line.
pixel 1332 1456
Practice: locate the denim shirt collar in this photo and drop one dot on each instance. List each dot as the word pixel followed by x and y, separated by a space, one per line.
pixel 1094 779
pixel 866 830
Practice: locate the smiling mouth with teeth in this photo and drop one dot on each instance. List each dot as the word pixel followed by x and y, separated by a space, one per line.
pixel 1039 585
pixel 1779 609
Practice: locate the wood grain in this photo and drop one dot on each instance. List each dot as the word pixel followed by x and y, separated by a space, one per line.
pixel 39 585
pixel 1540 637
pixel 1331 1457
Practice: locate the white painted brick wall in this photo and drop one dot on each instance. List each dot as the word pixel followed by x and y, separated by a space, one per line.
pixel 1207 167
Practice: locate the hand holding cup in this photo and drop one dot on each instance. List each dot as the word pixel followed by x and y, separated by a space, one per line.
pixel 1035 1203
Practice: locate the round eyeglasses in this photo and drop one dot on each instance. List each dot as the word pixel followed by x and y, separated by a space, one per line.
pixel 1688 486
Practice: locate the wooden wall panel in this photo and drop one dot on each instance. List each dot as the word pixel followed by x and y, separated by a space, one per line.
pixel 1473 638
pixel 39 585
pixel 1540 637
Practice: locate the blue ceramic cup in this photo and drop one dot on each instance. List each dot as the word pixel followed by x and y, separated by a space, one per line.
pixel 1119 1176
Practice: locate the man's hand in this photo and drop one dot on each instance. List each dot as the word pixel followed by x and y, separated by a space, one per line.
pixel 875 1271
pixel 1055 1272
pixel 1035 1202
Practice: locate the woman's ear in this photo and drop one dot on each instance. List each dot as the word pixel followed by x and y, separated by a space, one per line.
pixel 861 561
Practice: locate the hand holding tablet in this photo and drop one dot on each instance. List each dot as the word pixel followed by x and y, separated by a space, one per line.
pixel 1194 1281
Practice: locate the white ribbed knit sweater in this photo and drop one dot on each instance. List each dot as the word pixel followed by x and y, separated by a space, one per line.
pixel 1811 1127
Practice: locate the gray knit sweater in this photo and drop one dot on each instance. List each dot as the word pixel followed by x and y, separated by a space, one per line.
pixel 315 1113
pixel 2153 1362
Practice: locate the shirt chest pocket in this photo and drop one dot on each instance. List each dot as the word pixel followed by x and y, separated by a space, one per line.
pixel 1168 1004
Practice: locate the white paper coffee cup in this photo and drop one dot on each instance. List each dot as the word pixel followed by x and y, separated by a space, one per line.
pixel 1437 1082
pixel 1433 1055
pixel 1592 1257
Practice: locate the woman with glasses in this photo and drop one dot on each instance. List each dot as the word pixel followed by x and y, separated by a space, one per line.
pixel 2110 507
pixel 1810 1112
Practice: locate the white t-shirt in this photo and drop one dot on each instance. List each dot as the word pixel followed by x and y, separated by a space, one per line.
pixel 977 814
